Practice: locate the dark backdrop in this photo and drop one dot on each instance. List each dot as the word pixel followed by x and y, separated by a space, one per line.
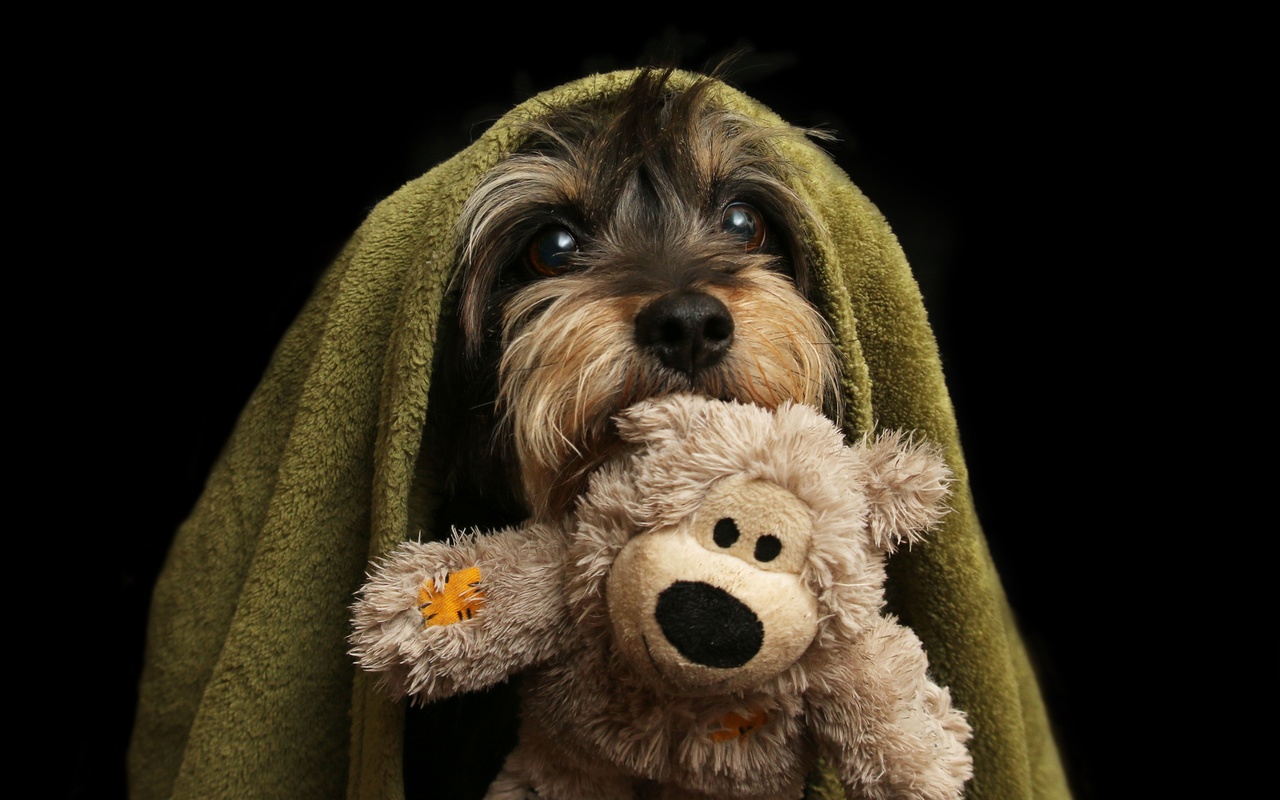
pixel 236 169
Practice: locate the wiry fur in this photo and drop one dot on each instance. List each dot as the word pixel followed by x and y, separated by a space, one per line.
pixel 538 366
pixel 601 724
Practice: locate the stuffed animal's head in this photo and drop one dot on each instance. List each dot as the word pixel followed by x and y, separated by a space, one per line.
pixel 736 543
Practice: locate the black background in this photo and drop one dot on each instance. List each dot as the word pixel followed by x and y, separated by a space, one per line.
pixel 222 175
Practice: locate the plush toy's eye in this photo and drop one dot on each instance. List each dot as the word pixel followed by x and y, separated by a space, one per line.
pixel 550 251
pixel 726 532
pixel 746 223
pixel 767 547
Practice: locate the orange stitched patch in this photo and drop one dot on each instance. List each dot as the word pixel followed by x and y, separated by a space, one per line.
pixel 737 726
pixel 456 602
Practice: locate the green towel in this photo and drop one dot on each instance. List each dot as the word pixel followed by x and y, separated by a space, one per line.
pixel 248 691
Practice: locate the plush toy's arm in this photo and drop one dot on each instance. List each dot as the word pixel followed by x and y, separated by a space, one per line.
pixel 440 618
pixel 886 728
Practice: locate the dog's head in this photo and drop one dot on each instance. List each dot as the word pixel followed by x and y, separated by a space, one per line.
pixel 631 247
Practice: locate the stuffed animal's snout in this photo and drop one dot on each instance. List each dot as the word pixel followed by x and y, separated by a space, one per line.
pixel 707 625
pixel 717 603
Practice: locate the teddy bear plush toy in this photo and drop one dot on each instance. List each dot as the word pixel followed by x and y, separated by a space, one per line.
pixel 707 623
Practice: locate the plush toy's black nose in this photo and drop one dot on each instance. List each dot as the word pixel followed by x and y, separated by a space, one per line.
pixel 708 625
pixel 688 331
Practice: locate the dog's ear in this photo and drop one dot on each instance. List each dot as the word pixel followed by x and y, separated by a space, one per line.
pixel 660 419
pixel 907 483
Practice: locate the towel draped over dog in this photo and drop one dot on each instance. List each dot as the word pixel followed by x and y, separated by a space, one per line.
pixel 248 690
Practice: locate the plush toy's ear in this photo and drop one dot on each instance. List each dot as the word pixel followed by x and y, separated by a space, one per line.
pixel 660 419
pixel 907 482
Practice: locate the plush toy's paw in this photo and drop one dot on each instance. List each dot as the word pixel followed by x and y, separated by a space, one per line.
pixel 405 618
pixel 889 730
pixel 457 600
pixel 439 618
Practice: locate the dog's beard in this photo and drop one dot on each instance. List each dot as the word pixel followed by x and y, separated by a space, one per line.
pixel 572 360
pixel 643 183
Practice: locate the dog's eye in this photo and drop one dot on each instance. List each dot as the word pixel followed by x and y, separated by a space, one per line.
pixel 550 250
pixel 745 222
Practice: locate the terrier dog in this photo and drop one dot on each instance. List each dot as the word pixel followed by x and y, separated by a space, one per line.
pixel 636 246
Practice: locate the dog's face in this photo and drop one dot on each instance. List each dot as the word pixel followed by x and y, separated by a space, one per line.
pixel 628 249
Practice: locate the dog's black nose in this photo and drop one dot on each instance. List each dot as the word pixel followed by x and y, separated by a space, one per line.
pixel 708 625
pixel 688 331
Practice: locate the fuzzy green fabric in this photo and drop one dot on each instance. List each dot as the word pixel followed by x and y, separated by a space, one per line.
pixel 248 691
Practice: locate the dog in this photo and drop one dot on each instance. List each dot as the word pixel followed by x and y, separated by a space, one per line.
pixel 629 248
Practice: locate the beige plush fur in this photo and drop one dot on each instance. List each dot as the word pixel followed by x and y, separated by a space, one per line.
pixel 706 623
